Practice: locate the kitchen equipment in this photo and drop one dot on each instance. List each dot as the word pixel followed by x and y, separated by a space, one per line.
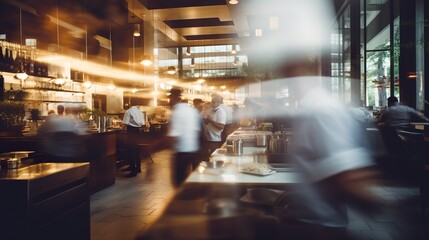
pixel 12 163
pixel 229 149
pixel 214 164
pixel 237 146
pixel 278 143
pixel 261 140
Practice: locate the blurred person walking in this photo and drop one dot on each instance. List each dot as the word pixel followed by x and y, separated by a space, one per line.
pixel 183 136
pixel 133 120
pixel 337 170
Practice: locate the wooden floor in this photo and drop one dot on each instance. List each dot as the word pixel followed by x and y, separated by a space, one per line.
pixel 132 204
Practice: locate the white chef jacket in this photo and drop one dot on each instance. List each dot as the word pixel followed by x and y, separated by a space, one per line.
pixel 185 125
pixel 134 117
pixel 213 134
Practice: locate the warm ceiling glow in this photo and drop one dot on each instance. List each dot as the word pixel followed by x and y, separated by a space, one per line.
pixel 234 50
pixel 201 80
pixel 136 32
pixel 233 2
pixel 59 81
pixel 111 87
pixel 222 87
pixel 87 84
pixel 198 87
pixel 21 75
pixel 212 87
pixel 171 70
pixel 146 61
pixel 134 90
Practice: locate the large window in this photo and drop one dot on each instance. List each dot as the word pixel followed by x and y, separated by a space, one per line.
pixel 378 52
pixel 205 61
pixel 340 58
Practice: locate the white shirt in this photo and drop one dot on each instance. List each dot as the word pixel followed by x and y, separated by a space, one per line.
pixel 134 117
pixel 185 125
pixel 228 112
pixel 325 143
pixel 213 134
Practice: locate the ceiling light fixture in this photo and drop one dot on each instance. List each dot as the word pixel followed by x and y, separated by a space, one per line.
pixel 111 87
pixel 146 61
pixel 59 80
pixel 87 84
pixel 21 74
pixel 223 87
pixel 234 50
pixel 171 70
pixel 192 62
pixel 188 51
pixel 233 2
pixel 136 32
pixel 134 90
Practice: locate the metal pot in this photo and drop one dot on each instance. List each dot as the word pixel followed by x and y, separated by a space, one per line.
pixel 261 140
pixel 237 147
pixel 277 145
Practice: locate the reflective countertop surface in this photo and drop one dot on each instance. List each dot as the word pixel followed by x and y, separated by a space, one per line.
pixel 36 170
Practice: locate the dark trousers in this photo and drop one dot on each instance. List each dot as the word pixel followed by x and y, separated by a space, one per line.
pixel 228 129
pixel 183 164
pixel 208 148
pixel 133 151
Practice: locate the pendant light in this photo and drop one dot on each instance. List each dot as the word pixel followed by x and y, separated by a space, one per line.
pixel 192 62
pixel 86 83
pixel 234 50
pixel 146 60
pixel 136 32
pixel 233 2
pixel 188 51
pixel 112 86
pixel 59 80
pixel 21 74
pixel 171 70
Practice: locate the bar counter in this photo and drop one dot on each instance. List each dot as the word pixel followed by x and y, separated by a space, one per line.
pixel 100 153
pixel 45 201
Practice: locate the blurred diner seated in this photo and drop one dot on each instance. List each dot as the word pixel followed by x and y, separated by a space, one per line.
pixel 61 138
pixel 400 116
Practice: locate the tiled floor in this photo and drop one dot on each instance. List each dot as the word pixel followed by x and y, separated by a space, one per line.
pixel 132 204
